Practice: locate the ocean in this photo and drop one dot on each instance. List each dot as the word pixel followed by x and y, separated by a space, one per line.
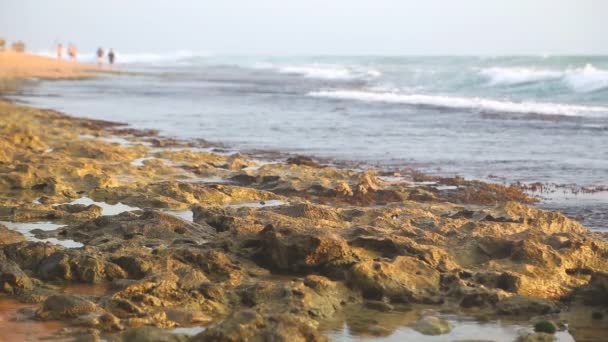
pixel 499 118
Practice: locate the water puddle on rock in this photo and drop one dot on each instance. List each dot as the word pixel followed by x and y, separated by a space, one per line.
pixel 140 161
pixel 106 209
pixel 26 228
pixel 260 204
pixel 462 330
pixel 15 325
pixel 186 215
pixel 209 179
pixel 190 331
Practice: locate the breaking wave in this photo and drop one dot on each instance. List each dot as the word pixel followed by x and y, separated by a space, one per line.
pixel 586 79
pixel 328 71
pixel 471 103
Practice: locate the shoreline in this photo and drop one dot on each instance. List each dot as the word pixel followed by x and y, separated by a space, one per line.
pixel 184 235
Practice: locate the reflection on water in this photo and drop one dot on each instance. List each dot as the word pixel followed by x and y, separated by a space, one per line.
pixel 261 204
pixel 188 330
pixel 16 325
pixel 106 209
pixel 186 215
pixel 359 323
pixel 26 228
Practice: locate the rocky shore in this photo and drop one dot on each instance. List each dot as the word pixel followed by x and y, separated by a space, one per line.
pixel 182 234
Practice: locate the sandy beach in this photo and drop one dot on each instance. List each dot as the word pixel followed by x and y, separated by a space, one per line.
pixel 126 235
pixel 24 65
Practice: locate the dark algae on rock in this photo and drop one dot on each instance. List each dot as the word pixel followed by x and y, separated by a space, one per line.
pixel 246 250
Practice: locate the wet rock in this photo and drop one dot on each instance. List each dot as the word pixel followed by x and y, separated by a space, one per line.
pixel 151 225
pixel 8 236
pixel 535 337
pixel 378 305
pixel 596 291
pixel 431 325
pixel 64 306
pixel 302 160
pixel 76 265
pixel 521 306
pixel 12 277
pixel 246 325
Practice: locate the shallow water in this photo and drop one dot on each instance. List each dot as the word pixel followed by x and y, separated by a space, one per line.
pixel 26 228
pixel 186 215
pixel 106 208
pixel 14 326
pixel 462 330
pixel 191 331
pixel 259 204
pixel 363 324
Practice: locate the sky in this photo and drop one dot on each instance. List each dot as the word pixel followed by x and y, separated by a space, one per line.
pixel 313 27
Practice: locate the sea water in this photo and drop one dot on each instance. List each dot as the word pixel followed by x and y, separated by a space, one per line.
pixel 521 118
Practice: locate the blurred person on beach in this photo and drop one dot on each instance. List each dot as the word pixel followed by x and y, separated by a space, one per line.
pixel 59 51
pixel 72 52
pixel 100 56
pixel 111 56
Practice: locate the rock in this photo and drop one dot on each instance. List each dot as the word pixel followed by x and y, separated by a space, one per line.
pixel 293 250
pixel 431 325
pixel 535 337
pixel 56 267
pixel 302 160
pixel 64 306
pixel 406 279
pixel 12 278
pixel 247 325
pixel 378 305
pixel 545 327
pixel 521 305
pixel 596 291
pixel 151 225
pixel 8 236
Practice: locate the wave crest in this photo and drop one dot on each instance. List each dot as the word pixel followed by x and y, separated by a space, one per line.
pixel 471 103
pixel 587 79
pixel 514 76
pixel 329 72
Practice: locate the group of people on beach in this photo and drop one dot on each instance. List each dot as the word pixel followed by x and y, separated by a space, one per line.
pixel 100 54
pixel 73 52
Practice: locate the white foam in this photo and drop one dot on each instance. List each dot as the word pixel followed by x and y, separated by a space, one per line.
pixel 473 103
pixel 513 76
pixel 325 71
pixel 585 79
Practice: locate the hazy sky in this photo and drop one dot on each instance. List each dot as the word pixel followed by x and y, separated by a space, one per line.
pixel 286 27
